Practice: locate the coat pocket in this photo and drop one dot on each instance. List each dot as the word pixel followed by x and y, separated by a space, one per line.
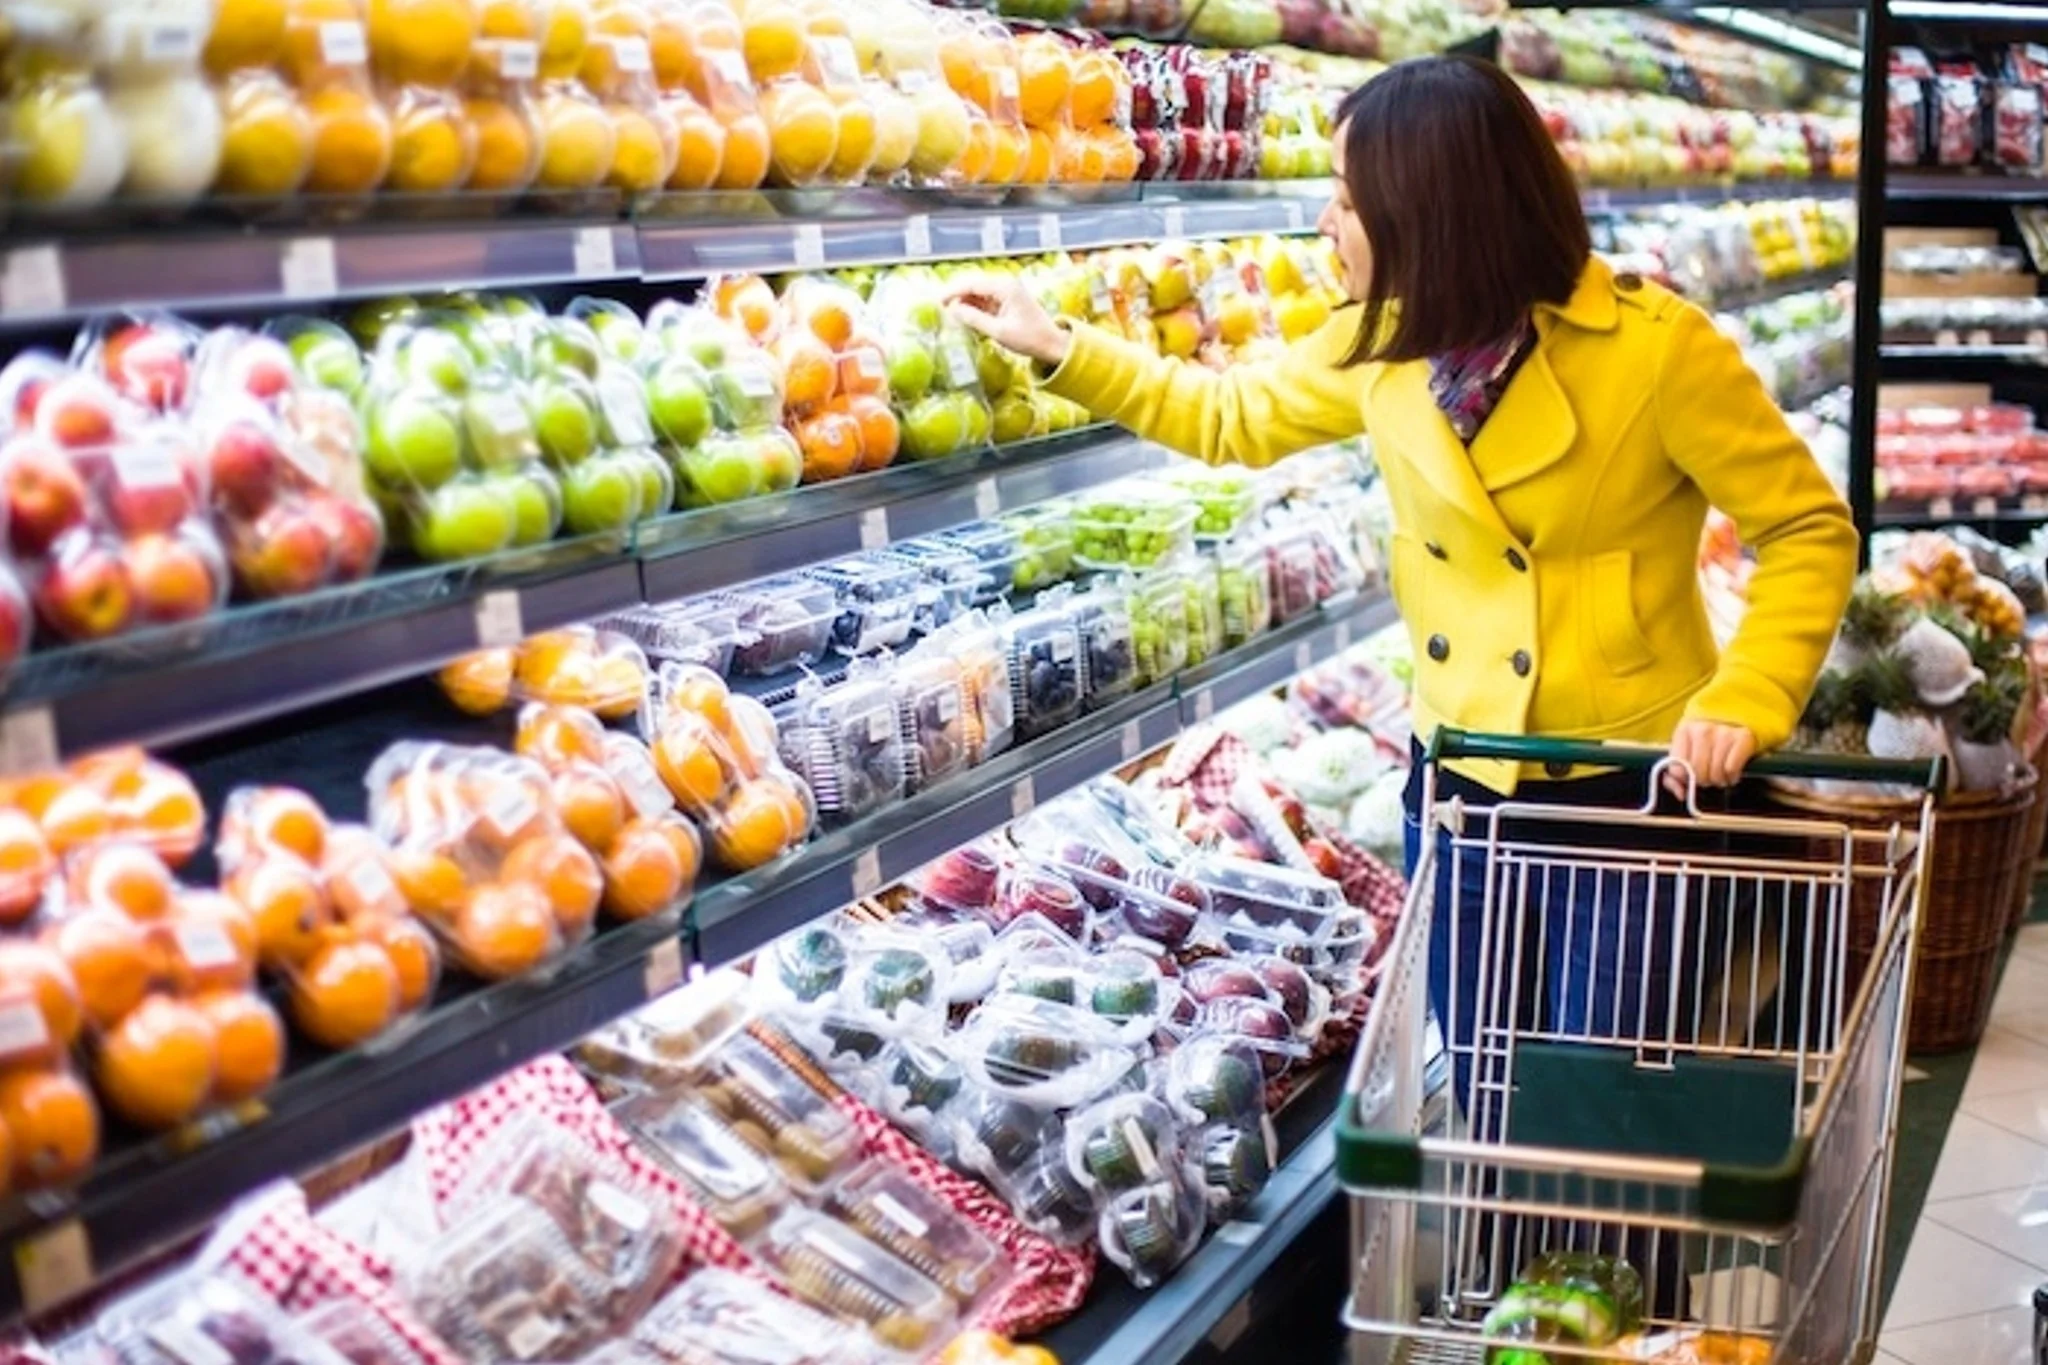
pixel 1612 603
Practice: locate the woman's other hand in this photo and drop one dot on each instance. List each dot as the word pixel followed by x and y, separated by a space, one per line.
pixel 1003 309
pixel 1716 754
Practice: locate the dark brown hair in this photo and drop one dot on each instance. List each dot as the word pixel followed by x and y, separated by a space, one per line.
pixel 1470 212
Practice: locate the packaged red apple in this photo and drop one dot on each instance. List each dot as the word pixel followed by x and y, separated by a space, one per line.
pixel 481 854
pixel 743 449
pixel 147 358
pixel 846 744
pixel 718 754
pixel 934 381
pixel 951 579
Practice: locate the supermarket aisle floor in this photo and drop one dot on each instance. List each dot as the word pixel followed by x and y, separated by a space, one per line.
pixel 1965 1292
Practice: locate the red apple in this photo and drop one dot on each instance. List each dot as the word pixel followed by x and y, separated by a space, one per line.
pixel 148 365
pixel 355 534
pixel 86 594
pixel 244 465
pixel 148 491
pixel 44 494
pixel 171 579
pixel 283 553
pixel 262 368
pixel 77 412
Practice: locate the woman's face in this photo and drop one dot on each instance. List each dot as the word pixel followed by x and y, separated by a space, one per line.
pixel 1340 223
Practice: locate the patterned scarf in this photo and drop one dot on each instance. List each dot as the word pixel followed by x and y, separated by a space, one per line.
pixel 1468 382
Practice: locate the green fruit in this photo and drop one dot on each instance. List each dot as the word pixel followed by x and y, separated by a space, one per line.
pixel 723 469
pixel 439 358
pixel 325 354
pixel 366 322
pixel 935 426
pixel 564 420
pixel 464 521
pixel 974 418
pixel 679 402
pixel 657 484
pixel 536 506
pixel 499 431
pixel 1017 419
pixel 602 494
pixel 780 461
pixel 911 370
pixel 565 343
pixel 746 389
pixel 413 443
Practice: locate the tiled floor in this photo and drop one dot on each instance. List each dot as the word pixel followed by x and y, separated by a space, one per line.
pixel 1965 1294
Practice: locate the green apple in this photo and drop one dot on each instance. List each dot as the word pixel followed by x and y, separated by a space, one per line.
pixel 413 441
pixel 440 358
pixel 564 417
pixel 657 483
pixel 327 356
pixel 999 371
pixel 1018 417
pixel 924 315
pixel 565 343
pixel 934 426
pixel 974 417
pixel 911 369
pixel 780 460
pixel 723 469
pixel 601 494
pixel 616 327
pixel 367 321
pixel 536 505
pixel 464 521
pixel 747 391
pixel 679 401
pixel 499 430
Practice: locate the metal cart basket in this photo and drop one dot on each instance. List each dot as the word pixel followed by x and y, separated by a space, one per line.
pixel 1671 1061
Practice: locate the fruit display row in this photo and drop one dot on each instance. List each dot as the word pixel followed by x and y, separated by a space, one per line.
pixel 1711 253
pixel 1987 453
pixel 1961 322
pixel 1640 52
pixel 1954 112
pixel 1800 344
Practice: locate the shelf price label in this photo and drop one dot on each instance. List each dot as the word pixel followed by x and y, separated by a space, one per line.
pixel 1303 657
pixel 1984 507
pixel 53 1266
pixel 1175 221
pixel 988 498
pixel 307 269
pixel 499 624
pixel 1343 636
pixel 992 238
pixel 28 741
pixel 1131 741
pixel 867 873
pixel 664 970
pixel 808 246
pixel 917 236
pixel 1048 232
pixel 32 282
pixel 594 254
pixel 874 528
pixel 1205 706
pixel 1023 797
pixel 1296 215
pixel 1941 509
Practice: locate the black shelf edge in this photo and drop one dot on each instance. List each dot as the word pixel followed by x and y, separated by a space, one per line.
pixel 146 1198
pixel 1924 187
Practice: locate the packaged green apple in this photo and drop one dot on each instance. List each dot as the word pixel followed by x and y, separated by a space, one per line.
pixel 323 352
pixel 616 327
pixel 934 374
pixel 715 397
pixel 626 438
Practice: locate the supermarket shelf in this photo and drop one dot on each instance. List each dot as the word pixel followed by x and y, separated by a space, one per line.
pixel 149 1193
pixel 169 685
pixel 2015 354
pixel 1619 199
pixel 1907 187
pixel 1987 512
pixel 1771 291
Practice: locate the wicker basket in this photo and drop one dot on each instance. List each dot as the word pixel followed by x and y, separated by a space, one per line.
pixel 1969 873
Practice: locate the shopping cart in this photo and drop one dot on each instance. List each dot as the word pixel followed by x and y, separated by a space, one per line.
pixel 1725 1127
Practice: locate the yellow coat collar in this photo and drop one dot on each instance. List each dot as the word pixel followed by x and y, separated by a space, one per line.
pixel 1591 307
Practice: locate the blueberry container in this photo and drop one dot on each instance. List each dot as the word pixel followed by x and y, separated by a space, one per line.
pixel 877 597
pixel 999 550
pixel 788 621
pixel 1043 649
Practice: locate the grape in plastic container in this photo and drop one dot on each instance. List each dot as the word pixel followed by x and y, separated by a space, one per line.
pixel 827 1263
pixel 845 741
pixel 1158 603
pixel 951 580
pixel 1108 641
pixel 1044 651
pixel 1290 571
pixel 733 1317
pixel 1132 523
pixel 1045 539
pixel 1203 597
pixel 718 755
pixel 689 632
pixel 1244 589
pixel 736 1184
pixel 788 623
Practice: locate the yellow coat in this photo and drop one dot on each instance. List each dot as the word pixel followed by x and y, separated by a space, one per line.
pixel 1549 574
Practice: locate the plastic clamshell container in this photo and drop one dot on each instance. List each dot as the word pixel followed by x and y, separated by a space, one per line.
pixel 683 632
pixel 199 1319
pixel 827 1263
pixel 505 1284
pixel 970 946
pixel 846 742
pixel 1102 618
pixel 1047 1198
pixel 720 1315
pixel 877 596
pixel 963 882
pixel 1263 1023
pixel 1149 1231
pixel 953 579
pixel 1215 1077
pixel 1044 652
pixel 919 1082
pixel 667 1040
pixel 357 1334
pixel 755 1090
pixel 734 1182
pixel 1260 896
pixel 1045 538
pixel 1204 602
pixel 804 968
pixel 900 979
pixel 788 622
pixel 1235 1163
pixel 1042 1053
pixel 1158 604
pixel 932 714
pixel 998 548
pixel 1244 589
pixel 1291 571
pixel 1123 1143
pixel 1132 524
pixel 922 1230
pixel 1224 499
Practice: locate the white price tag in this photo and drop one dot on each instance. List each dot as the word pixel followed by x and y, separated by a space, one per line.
pixel 625 409
pixel 1296 215
pixel 1023 797
pixel 1176 221
pixel 310 463
pixel 206 946
pixel 892 1209
pixel 164 41
pixel 595 254
pixel 867 873
pixel 993 240
pixel 1006 82
pixel 145 464
pixel 1980 336
pixel 342 43
pixel 1948 336
pixel 753 380
pixel 874 528
pixel 1130 741
pixel 880 723
pixel 28 742
pixel 1984 507
pixel 917 236
pixel 643 786
pixel 1303 657
pixel 1343 636
pixel 836 60
pixel 1941 509
pixel 2038 339
pixel 1205 706
pixel 808 246
pixel 1100 300
pixel 509 810
pixel 664 970
pixel 307 270
pixel 988 498
pixel 32 282
pixel 630 55
pixel 53 1266
pixel 960 371
pixel 23 1028
pixel 520 61
pixel 498 621
pixel 1048 232
pixel 1240 1234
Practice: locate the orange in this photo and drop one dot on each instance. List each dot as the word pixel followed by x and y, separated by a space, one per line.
pixel 610 19
pixel 979 156
pixel 288 819
pixel 351 141
pixel 347 993
pixel 285 898
pixel 73 817
pixel 686 757
pixel 746 300
pixel 831 446
pixel 432 883
pixel 155 1068
pixel 965 58
pixel 505 930
pixel 563 40
pixel 421 42
pixel 122 876
pixel 266 144
pixel 590 803
pixel 831 321
pixel 1037 157
pixel 704 693
pixel 358 879
pixel 1044 71
pixel 642 874
pixel 681 36
pixel 880 433
pixel 803 131
pixel 25 865
pixel 414 955
pixel 305 48
pixel 566 873
pixel 576 140
pixel 643 147
pixel 682 836
pixel 745 162
pixel 772 38
pixel 619 686
pixel 507 19
pixel 248 1043
pixel 109 959
pixel 433 145
pixel 755 826
pixel 481 683
pixel 808 370
pixel 40 1009
pixel 507 155
pixel 556 735
pixel 1092 89
pixel 245 33
pixel 208 943
pixel 1011 151
pixel 164 812
pixel 862 367
pixel 700 144
pixel 54 1124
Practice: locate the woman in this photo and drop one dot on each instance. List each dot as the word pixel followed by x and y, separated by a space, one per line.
pixel 1551 434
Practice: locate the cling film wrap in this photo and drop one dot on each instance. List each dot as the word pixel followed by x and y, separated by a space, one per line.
pixel 742 449
pixel 836 378
pixel 933 367
pixel 618 68
pixel 718 754
pixel 326 58
pixel 497 93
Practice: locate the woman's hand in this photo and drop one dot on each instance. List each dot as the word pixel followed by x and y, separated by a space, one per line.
pixel 1004 310
pixel 1715 752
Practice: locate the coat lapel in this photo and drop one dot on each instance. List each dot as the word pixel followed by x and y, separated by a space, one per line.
pixel 1403 418
pixel 1531 427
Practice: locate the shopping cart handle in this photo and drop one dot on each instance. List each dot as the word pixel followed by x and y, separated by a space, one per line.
pixel 1449 744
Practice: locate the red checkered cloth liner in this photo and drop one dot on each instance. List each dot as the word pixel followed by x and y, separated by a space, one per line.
pixel 449 1138
pixel 1049 1282
pixel 288 1258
